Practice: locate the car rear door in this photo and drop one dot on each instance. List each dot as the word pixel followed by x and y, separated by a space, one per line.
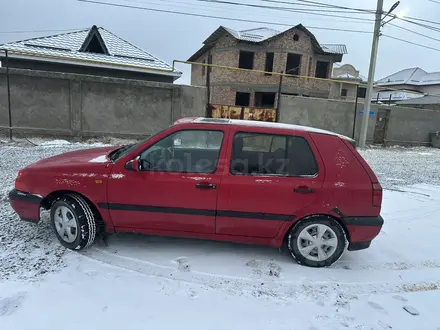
pixel 178 193
pixel 270 176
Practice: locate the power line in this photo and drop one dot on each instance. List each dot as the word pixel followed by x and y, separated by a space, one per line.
pixel 324 9
pixel 216 8
pixel 324 5
pixel 38 31
pixel 216 17
pixel 412 43
pixel 360 9
pixel 406 18
pixel 429 27
pixel 304 11
pixel 409 30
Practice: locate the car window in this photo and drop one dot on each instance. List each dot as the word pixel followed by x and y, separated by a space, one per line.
pixel 125 150
pixel 187 151
pixel 263 142
pixel 270 154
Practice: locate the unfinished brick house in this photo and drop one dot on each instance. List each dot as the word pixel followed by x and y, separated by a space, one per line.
pixel 295 51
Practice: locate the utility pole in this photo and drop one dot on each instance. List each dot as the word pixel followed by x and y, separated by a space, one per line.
pixel 8 88
pixel 374 47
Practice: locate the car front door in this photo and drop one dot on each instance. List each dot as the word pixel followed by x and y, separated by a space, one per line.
pixel 176 187
pixel 269 178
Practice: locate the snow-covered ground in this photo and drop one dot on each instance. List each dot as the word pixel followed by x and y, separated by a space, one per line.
pixel 141 282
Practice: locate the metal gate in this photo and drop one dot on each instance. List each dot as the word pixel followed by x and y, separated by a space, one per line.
pixel 380 130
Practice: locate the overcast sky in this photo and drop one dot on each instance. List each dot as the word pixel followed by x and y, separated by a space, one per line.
pixel 171 36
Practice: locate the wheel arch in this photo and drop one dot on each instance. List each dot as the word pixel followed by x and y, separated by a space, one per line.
pixel 339 221
pixel 47 202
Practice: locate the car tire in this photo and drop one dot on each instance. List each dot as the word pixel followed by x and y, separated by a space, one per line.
pixel 73 222
pixel 317 241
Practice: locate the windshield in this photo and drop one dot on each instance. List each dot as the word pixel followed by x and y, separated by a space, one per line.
pixel 119 153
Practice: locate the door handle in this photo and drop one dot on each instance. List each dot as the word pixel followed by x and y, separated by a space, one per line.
pixel 206 185
pixel 303 190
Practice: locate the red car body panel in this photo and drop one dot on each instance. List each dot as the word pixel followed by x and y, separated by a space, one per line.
pixel 78 171
pixel 240 208
pixel 243 193
pixel 27 210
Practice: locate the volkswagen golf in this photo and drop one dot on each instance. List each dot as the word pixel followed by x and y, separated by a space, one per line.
pixel 274 184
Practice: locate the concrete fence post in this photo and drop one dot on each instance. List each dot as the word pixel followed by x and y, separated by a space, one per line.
pixel 75 108
pixel 176 109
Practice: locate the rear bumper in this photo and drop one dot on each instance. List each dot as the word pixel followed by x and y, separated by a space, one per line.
pixel 26 205
pixel 362 230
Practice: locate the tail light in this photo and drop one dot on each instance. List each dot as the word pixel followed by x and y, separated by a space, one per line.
pixel 377 194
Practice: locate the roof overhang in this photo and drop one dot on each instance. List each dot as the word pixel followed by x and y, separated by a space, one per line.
pixel 90 63
pixel 221 31
pixel 348 80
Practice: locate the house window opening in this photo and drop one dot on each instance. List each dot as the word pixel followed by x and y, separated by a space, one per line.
pixel 242 99
pixel 293 64
pixel 264 100
pixel 246 60
pixel 322 69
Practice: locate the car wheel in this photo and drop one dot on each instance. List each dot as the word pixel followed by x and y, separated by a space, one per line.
pixel 73 222
pixel 317 241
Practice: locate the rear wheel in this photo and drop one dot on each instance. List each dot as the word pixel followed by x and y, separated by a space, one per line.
pixel 317 241
pixel 73 222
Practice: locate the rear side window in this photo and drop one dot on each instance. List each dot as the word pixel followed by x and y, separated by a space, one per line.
pixel 269 154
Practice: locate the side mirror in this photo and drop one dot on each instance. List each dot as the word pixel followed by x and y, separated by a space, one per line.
pixel 133 165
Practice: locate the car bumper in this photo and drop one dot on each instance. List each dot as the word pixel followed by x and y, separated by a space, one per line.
pixel 362 230
pixel 26 205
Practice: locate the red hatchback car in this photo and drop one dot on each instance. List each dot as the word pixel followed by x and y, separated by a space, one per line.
pixel 230 180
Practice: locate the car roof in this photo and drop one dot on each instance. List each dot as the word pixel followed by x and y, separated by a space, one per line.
pixel 254 123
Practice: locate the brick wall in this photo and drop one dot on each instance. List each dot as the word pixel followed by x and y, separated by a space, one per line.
pixel 226 52
pixel 198 74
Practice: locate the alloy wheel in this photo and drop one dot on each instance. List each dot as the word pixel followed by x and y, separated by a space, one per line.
pixel 317 242
pixel 65 224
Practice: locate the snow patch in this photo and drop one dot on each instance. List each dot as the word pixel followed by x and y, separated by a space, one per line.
pixel 54 143
pixel 341 160
pixel 70 183
pixel 196 178
pixel 84 175
pixel 420 153
pixel 399 269
pixel 99 159
pixel 263 181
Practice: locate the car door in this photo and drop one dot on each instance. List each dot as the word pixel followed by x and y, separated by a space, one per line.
pixel 269 178
pixel 176 187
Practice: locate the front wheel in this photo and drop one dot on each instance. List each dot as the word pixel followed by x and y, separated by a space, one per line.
pixel 73 222
pixel 317 241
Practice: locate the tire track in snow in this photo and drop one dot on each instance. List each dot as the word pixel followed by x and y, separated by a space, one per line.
pixel 277 289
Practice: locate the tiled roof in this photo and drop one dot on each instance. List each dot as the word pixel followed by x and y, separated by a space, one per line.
pixel 430 78
pixel 256 35
pixel 334 48
pixel 395 95
pixel 427 99
pixel 412 76
pixel 347 76
pixel 262 34
pixel 66 46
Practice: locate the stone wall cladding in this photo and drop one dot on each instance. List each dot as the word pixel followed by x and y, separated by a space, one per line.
pixel 225 52
pixel 198 75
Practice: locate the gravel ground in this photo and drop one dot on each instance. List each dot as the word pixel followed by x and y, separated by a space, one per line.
pixel 399 166
pixel 27 250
